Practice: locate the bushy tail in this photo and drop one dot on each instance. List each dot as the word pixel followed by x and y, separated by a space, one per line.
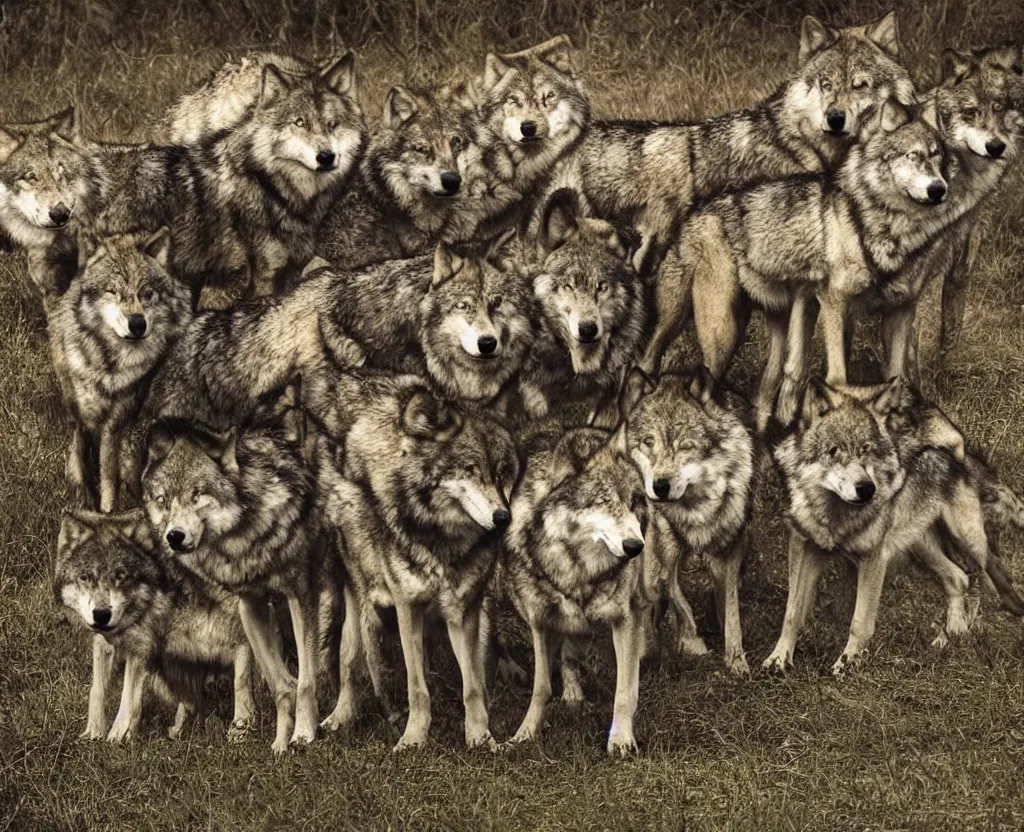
pixel 1000 504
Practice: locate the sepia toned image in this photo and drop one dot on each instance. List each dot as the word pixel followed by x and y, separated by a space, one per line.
pixel 552 414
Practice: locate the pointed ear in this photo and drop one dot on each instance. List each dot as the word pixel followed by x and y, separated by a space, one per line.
pixel 819 399
pixel 447 264
pixel 228 456
pixel 702 386
pixel 273 86
pixel 64 125
pixel 930 114
pixel 158 247
pixel 894 115
pixel 636 385
pixel 814 36
pixel 495 72
pixel 159 443
pixel 134 526
pixel 573 451
pixel 426 417
pixel 622 242
pixel 561 220
pixel 340 75
pixel 8 144
pixel 399 107
pixel 73 530
pixel 885 34
pixel 889 398
pixel 956 66
pixel 557 52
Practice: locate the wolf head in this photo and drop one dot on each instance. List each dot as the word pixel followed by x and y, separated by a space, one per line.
pixel 1003 67
pixel 689 451
pixel 972 106
pixel 533 99
pixel 106 570
pixel 588 290
pixel 414 155
pixel 191 485
pixel 846 74
pixel 309 126
pixel 463 467
pixel 843 448
pixel 906 158
pixel 476 324
pixel 124 291
pixel 42 181
pixel 597 503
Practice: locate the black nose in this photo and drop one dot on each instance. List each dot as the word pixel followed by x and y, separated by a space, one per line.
pixel 502 517
pixel 487 344
pixel 994 148
pixel 451 182
pixel 632 547
pixel 60 213
pixel 588 330
pixel 865 491
pixel 528 129
pixel 325 159
pixel 176 539
pixel 936 192
pixel 101 617
pixel 836 120
pixel 137 325
pixel 662 487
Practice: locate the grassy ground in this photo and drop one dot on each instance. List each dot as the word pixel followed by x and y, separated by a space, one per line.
pixel 918 739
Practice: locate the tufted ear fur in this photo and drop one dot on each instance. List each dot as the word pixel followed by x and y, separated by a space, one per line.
pixel 399 107
pixel 814 36
pixel 427 417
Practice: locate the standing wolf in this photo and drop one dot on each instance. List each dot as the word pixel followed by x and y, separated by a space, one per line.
pixel 166 622
pixel 244 203
pixel 859 490
pixel 108 335
pixel 421 494
pixel 238 510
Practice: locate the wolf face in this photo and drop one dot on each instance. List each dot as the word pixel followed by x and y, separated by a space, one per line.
pixel 106 571
pixel 907 156
pixel 971 108
pixel 533 98
pixel 588 290
pixel 476 324
pixel 1003 71
pixel 127 297
pixel 190 488
pixel 310 123
pixel 41 178
pixel 470 466
pixel 846 75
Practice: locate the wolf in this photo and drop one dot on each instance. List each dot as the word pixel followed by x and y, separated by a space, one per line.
pixel 420 490
pixel 650 174
pixel 49 184
pixel 1005 67
pixel 167 623
pixel 860 491
pixel 238 510
pixel 244 204
pixel 807 240
pixel 409 180
pixel 108 335
pixel 585 548
pixel 594 307
pixel 696 457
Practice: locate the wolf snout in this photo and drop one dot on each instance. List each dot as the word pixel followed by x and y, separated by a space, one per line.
pixel 60 214
pixel 325 159
pixel 101 618
pixel 451 182
pixel 632 546
pixel 936 192
pixel 137 326
pixel 528 129
pixel 487 344
pixel 502 517
pixel 865 491
pixel 176 540
pixel 995 147
pixel 588 331
pixel 836 119
pixel 662 487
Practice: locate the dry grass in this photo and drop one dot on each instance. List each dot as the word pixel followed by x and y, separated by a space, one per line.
pixel 916 740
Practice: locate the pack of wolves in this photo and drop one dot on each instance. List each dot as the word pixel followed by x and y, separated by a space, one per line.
pixel 316 370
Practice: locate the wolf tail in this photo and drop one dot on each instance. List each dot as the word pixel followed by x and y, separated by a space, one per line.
pixel 1001 507
pixel 1008 596
pixel 1001 504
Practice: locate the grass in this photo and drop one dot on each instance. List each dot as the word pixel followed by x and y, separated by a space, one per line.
pixel 918 739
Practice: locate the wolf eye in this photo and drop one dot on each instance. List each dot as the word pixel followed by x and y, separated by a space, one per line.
pixel 60 169
pixel 470 469
pixel 196 496
pixel 969 113
pixel 300 122
pixel 647 441
pixel 997 106
pixel 866 448
pixel 30 177
pixel 161 500
pixel 422 149
pixel 914 155
pixel 462 306
pixel 332 124
pixel 826 85
pixel 456 144
pixel 602 286
pixel 547 98
pixel 147 294
pixel 120 575
pixel 861 84
pixel 496 303
pixel 833 450
pixel 513 100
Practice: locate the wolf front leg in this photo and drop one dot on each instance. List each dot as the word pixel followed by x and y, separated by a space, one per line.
pixel 241 720
pixel 129 714
pixel 897 341
pixel 410 631
pixel 803 318
pixel 725 571
pixel 351 649
pixel 870 579
pixel 304 624
pixel 110 467
pixel 259 629
pixel 534 719
pixel 806 564
pixel 627 638
pixel 464 635
pixel 834 307
pixel 102 667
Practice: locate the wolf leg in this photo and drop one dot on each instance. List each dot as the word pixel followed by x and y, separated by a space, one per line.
pixel 181 716
pixel 954 292
pixel 465 639
pixel 955 584
pixel 897 332
pixel 351 649
pixel 803 318
pixel 532 723
pixel 77 466
pixel 774 385
pixel 720 310
pixel 833 319
pixel 259 629
pixel 726 574
pixel 369 625
pixel 304 623
pixel 689 641
pixel 241 719
pixel 805 567
pixel 870 580
pixel 102 668
pixel 110 468
pixel 627 638
pixel 674 305
pixel 410 630
pixel 129 714
pixel 572 660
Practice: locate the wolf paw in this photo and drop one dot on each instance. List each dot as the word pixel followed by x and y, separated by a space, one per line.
pixel 511 673
pixel 93 732
pixel 847 662
pixel 239 729
pixel 339 719
pixel 787 403
pixel 778 662
pixel 407 743
pixel 737 665
pixel 623 745
pixel 279 747
pixel 120 732
pixel 481 740
pixel 692 645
